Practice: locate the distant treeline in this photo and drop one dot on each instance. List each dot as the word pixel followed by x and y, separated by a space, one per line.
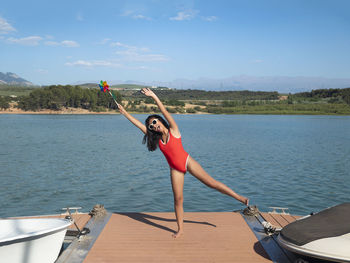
pixel 57 97
pixel 321 101
pixel 335 94
pixel 213 95
pixel 4 102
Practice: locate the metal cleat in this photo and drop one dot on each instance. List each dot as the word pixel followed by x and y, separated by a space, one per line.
pixel 278 210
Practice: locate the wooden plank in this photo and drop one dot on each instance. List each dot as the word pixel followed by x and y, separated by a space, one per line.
pixel 290 218
pixel 147 237
pixel 279 220
pixel 271 219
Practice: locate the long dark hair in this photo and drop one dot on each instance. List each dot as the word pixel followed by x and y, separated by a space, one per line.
pixel 151 138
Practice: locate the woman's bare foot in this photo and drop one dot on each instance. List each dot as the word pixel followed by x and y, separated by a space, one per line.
pixel 178 234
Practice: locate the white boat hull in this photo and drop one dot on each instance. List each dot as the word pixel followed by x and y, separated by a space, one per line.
pixel 31 240
pixel 336 249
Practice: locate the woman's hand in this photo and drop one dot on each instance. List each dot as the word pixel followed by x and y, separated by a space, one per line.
pixel 121 109
pixel 148 92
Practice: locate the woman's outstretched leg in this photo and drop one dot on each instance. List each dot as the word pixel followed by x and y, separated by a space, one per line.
pixel 177 182
pixel 197 171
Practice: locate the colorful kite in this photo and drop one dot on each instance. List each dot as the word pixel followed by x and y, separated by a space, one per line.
pixel 105 87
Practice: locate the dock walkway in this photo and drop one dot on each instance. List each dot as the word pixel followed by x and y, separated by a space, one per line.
pixel 147 237
pixel 209 237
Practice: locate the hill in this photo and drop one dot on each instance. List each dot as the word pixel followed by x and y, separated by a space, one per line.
pixel 10 78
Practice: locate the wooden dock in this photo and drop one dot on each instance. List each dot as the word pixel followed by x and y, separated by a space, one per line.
pixel 147 237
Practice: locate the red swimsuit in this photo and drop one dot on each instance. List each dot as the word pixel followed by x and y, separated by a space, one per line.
pixel 174 153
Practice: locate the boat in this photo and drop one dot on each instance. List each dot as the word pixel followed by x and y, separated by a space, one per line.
pixel 32 240
pixel 325 235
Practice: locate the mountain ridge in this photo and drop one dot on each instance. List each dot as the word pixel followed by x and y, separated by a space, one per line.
pixel 10 78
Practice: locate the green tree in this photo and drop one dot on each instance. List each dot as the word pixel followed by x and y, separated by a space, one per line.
pixel 57 97
pixel 4 103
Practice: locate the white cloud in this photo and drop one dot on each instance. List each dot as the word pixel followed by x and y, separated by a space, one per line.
pixel 69 43
pixel 26 41
pixel 64 43
pixel 133 53
pixel 210 18
pixel 93 63
pixel 36 40
pixel 141 17
pixel 185 15
pixel 118 44
pixel 135 15
pixel 130 55
pixel 128 47
pixel 5 27
pixel 257 61
pixel 104 41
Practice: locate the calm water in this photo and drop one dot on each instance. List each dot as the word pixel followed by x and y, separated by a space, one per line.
pixel 53 161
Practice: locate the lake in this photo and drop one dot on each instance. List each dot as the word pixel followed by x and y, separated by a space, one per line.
pixel 53 161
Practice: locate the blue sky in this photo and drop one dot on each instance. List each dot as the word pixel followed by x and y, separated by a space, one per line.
pixel 61 42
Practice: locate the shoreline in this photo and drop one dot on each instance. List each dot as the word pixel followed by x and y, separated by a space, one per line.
pixel 69 111
pixel 74 111
pixel 83 112
pixel 79 111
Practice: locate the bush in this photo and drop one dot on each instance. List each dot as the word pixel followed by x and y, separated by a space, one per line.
pixel 174 103
pixel 149 101
pixel 180 110
pixel 171 110
pixel 4 103
pixel 191 110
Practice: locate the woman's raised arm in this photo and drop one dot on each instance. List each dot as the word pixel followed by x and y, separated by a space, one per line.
pixel 162 108
pixel 132 119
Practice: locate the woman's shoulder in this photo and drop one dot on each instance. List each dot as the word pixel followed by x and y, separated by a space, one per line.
pixel 175 132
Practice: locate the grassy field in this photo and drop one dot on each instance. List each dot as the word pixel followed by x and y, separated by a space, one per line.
pixel 290 109
pixel 7 90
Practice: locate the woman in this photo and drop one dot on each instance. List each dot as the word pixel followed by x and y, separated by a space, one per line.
pixel 166 136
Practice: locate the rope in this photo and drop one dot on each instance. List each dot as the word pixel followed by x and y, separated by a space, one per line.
pixel 251 210
pixel 98 211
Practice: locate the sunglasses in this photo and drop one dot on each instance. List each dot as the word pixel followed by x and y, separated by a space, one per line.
pixel 151 126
